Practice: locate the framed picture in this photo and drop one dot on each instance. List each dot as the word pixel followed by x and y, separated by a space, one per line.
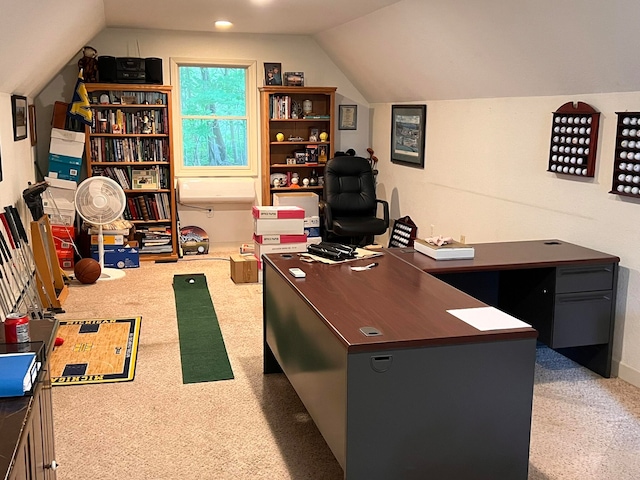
pixel 408 134
pixel 144 179
pixel 19 111
pixel 348 117
pixel 32 125
pixel 273 74
pixel 294 79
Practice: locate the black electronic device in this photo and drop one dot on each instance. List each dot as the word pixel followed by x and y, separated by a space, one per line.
pixel 153 70
pixel 130 70
pixel 333 251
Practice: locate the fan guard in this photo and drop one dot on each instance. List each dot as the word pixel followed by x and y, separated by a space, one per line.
pixel 100 200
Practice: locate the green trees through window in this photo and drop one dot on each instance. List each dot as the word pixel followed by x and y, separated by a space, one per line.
pixel 213 109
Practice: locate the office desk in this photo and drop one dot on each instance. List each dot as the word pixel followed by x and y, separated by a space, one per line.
pixel 430 397
pixel 567 292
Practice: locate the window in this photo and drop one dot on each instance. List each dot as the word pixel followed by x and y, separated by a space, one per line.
pixel 215 117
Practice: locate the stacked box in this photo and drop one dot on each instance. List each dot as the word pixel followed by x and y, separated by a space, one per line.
pixel 118 256
pixel 278 229
pixel 63 237
pixel 244 268
pixel 65 154
pixel 59 201
pixel 309 202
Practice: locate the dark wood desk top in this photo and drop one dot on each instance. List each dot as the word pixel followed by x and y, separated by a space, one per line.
pixel 407 306
pixel 15 411
pixel 509 256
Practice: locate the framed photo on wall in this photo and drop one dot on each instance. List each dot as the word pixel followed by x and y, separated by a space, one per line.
pixel 348 117
pixel 408 124
pixel 273 74
pixel 19 112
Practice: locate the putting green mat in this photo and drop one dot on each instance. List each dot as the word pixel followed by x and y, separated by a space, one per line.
pixel 202 350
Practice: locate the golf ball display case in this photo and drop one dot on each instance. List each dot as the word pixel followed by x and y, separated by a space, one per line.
pixel 574 140
pixel 626 171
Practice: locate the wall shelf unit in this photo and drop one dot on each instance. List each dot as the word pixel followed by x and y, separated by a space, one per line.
pixel 574 140
pixel 130 141
pixel 626 171
pixel 281 110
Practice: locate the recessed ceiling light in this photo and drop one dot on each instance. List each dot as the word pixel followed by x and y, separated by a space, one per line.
pixel 223 24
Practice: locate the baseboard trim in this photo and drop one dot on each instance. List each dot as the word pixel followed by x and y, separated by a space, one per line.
pixel 628 374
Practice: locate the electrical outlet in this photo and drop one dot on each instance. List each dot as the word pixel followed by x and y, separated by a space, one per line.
pixel 210 213
pixel 432 229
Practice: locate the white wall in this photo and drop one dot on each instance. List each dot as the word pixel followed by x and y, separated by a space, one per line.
pixel 17 161
pixel 485 177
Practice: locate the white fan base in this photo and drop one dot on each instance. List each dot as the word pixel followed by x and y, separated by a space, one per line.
pixel 111 274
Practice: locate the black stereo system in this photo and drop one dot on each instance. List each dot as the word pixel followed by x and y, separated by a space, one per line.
pixel 129 70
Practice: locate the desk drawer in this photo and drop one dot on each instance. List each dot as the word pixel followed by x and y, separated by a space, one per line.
pixel 581 319
pixel 584 279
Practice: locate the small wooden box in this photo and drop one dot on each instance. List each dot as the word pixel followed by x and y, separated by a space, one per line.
pixel 244 268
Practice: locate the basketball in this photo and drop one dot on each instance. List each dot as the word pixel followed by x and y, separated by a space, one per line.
pixel 87 270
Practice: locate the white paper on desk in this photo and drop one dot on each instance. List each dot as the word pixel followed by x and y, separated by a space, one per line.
pixel 488 318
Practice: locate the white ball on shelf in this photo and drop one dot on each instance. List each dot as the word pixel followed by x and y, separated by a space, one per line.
pixel 627 189
pixel 620 188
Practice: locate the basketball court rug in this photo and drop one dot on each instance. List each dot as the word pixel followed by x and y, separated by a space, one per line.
pixel 95 351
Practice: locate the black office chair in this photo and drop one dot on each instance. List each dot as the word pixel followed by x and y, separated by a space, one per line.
pixel 350 205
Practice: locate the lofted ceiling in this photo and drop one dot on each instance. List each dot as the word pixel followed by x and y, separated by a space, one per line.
pixel 391 50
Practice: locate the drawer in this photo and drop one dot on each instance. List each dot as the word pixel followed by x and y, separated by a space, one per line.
pixel 585 279
pixel 581 319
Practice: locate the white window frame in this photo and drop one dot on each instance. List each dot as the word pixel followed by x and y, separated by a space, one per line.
pixel 251 169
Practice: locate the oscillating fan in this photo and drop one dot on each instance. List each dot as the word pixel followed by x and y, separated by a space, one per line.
pixel 99 201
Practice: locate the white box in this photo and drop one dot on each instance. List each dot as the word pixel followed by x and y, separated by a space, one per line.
pixel 312 227
pixel 60 189
pixel 451 251
pixel 307 200
pixel 62 212
pixel 66 143
pixel 267 226
pixel 261 249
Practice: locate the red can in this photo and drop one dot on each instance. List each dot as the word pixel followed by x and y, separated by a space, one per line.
pixel 16 328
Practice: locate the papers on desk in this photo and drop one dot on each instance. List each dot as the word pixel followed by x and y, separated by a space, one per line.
pixel 488 318
pixel 18 372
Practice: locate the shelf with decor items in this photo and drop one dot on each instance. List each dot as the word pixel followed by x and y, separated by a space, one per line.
pixel 130 141
pixel 297 137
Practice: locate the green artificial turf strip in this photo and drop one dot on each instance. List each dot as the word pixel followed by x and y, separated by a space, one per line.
pixel 202 350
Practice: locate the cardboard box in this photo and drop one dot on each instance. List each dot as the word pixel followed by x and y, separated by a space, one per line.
pixel 108 239
pixel 65 258
pixel 118 257
pixel 261 249
pixel 312 226
pixel 306 200
pixel 60 189
pixel 244 268
pixel 63 167
pixel 61 212
pixel 269 226
pixel 67 143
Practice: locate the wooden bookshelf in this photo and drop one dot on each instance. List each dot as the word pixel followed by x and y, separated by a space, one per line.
pixel 131 133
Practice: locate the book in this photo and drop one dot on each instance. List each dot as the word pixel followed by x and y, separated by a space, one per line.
pixel 18 372
pixel 450 251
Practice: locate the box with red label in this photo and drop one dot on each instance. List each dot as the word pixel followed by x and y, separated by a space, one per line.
pixel 63 236
pixel 65 258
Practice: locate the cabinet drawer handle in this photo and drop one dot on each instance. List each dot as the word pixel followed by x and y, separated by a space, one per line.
pixel 584 298
pixel 585 271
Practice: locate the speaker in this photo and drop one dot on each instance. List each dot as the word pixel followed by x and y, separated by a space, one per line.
pixel 107 69
pixel 153 69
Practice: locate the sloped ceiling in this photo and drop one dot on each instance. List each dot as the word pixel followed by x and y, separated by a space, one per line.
pixel 39 37
pixel 392 50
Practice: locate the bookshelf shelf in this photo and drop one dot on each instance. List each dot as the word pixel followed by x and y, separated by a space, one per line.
pixel 277 107
pixel 129 141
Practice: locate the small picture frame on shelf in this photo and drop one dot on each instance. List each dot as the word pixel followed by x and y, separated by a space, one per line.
pixel 294 79
pixel 144 179
pixel 348 117
pixel 273 74
pixel 314 134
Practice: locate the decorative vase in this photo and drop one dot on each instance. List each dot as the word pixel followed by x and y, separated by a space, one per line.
pixel 307 107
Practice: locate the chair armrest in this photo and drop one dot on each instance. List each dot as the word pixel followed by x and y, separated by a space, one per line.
pixel 385 209
pixel 325 208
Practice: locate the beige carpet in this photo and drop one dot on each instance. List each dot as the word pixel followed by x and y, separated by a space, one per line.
pixel 254 427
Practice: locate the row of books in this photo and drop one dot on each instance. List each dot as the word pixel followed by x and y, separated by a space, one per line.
pixel 148 207
pixel 132 98
pixel 155 239
pixel 154 177
pixel 129 149
pixel 132 122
